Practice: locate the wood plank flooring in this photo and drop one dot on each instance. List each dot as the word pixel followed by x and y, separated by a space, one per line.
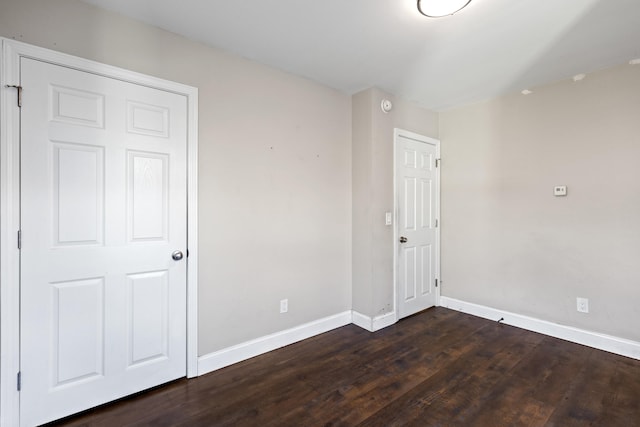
pixel 437 368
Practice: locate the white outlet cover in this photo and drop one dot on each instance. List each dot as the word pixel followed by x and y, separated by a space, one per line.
pixel 560 190
pixel 582 305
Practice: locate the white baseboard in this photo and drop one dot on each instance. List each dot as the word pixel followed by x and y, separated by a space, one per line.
pixel 249 349
pixel 383 321
pixel 359 319
pixel 604 342
pixel 373 324
pixel 237 353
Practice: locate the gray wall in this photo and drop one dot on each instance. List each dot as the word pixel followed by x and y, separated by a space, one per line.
pixel 372 161
pixel 507 242
pixel 275 168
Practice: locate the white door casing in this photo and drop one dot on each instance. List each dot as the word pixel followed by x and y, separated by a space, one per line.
pixel 102 236
pixel 417 250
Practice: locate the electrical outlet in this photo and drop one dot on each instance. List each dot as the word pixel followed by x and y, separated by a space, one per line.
pixel 583 305
pixel 560 190
pixel 284 305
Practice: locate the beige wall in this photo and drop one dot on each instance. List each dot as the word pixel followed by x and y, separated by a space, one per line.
pixel 372 163
pixel 507 242
pixel 275 168
pixel 363 191
pixel 276 171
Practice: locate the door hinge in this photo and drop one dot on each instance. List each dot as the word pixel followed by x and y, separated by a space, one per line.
pixel 436 223
pixel 19 239
pixel 19 89
pixel 437 162
pixel 436 283
pixel 19 382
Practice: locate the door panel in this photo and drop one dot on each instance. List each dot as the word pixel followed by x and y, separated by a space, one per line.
pixel 147 317
pixel 77 176
pixel 148 197
pixel 417 181
pixel 103 202
pixel 78 326
pixel 77 107
pixel 409 205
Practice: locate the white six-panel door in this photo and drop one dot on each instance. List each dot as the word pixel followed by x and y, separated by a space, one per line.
pixel 417 212
pixel 103 207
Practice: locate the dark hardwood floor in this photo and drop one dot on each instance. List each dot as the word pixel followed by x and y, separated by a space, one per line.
pixel 438 368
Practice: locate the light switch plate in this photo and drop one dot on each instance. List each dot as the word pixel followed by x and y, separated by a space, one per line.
pixel 560 190
pixel 388 218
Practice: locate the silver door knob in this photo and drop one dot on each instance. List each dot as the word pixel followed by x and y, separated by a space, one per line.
pixel 177 255
pixel 403 239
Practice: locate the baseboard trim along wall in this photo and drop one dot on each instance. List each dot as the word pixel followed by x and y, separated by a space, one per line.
pixel 365 322
pixel 237 353
pixel 604 342
pixel 373 324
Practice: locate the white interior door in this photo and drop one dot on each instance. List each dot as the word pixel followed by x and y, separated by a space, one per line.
pixel 103 207
pixel 417 190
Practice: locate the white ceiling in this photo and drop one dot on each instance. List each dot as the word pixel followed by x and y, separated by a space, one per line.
pixel 490 48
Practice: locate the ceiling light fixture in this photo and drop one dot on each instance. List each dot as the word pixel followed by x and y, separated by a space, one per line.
pixel 439 8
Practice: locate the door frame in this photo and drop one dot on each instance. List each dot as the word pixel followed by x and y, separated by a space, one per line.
pixel 397 133
pixel 12 51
